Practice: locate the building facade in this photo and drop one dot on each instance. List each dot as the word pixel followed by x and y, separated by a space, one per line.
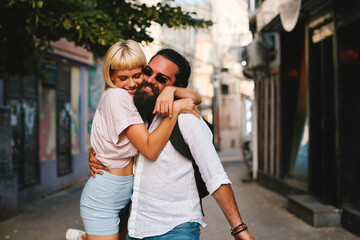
pixel 305 62
pixel 216 69
pixel 44 133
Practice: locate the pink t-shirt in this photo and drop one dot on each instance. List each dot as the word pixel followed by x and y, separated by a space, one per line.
pixel 116 111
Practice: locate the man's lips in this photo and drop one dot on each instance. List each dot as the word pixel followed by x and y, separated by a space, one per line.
pixel 148 89
pixel 131 91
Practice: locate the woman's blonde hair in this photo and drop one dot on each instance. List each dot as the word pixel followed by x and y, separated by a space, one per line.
pixel 122 56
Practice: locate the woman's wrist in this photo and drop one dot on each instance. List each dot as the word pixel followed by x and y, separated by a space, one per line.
pixel 176 111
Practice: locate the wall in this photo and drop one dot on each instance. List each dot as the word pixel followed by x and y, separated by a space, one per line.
pixel 1 92
pixel 230 122
pixel 47 124
pixel 8 183
pixel 95 89
pixel 49 181
pixel 75 110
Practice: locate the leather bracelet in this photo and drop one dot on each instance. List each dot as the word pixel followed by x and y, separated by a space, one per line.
pixel 241 227
pixel 241 224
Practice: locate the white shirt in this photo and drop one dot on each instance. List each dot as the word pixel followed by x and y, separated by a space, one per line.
pixel 165 193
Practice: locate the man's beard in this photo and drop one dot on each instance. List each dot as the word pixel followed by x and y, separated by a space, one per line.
pixel 145 102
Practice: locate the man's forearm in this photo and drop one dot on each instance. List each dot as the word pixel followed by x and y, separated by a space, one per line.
pixel 224 196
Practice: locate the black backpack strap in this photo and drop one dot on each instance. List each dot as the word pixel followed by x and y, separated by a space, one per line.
pixel 177 140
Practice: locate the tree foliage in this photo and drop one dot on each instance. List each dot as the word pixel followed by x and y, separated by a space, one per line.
pixel 28 26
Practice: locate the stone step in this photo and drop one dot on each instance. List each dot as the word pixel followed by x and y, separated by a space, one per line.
pixel 312 211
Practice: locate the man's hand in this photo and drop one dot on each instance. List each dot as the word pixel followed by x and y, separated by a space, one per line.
pixel 95 165
pixel 244 235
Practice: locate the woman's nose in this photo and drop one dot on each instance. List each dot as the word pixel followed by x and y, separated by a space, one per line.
pixel 132 83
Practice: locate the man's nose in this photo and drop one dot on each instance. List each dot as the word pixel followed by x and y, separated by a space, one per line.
pixel 151 79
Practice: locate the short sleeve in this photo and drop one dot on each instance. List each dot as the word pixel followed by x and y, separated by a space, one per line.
pixel 120 111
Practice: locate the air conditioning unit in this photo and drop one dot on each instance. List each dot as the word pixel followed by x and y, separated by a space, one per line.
pixel 257 55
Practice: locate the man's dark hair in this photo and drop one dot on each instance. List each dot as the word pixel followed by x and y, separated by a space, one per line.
pixel 184 71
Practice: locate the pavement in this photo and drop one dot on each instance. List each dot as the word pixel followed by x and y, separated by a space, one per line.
pixel 263 210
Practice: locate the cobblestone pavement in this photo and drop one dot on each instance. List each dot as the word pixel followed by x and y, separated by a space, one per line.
pixel 264 211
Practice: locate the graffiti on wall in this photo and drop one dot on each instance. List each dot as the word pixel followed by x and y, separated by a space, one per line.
pixel 63 137
pixel 16 140
pixel 75 110
pixel 96 88
pixel 47 122
pixel 24 144
pixel 64 122
pixel 29 118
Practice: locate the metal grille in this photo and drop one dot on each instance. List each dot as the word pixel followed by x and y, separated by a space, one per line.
pixel 21 96
pixel 30 144
pixel 5 146
pixel 30 87
pixel 51 74
pixel 63 84
pixel 63 139
pixel 13 87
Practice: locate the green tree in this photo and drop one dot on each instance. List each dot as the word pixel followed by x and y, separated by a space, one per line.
pixel 28 26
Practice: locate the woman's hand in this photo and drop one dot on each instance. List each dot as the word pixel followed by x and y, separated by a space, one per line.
pixel 164 102
pixel 95 165
pixel 186 105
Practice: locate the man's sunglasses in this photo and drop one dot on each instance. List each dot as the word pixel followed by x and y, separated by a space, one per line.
pixel 149 72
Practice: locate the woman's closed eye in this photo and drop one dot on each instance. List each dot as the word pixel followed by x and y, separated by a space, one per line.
pixel 137 75
pixel 123 78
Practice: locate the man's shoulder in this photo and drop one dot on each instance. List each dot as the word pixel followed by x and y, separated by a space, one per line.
pixel 188 120
pixel 189 123
pixel 187 117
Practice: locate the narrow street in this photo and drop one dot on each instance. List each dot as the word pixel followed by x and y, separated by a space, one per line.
pixel 276 79
pixel 264 212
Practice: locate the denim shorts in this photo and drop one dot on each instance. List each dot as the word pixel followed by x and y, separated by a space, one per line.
pixel 185 231
pixel 101 201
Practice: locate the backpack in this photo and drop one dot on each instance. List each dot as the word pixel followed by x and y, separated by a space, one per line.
pixel 178 142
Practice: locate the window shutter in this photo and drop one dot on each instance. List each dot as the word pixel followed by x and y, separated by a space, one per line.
pixel 63 121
